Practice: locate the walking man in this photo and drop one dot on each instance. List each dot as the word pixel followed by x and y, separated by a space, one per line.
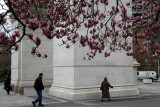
pixel 38 85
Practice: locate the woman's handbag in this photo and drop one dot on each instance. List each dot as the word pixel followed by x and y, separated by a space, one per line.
pixel 10 88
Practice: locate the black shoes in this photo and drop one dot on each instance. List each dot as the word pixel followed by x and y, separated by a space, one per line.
pixel 33 104
pixel 41 104
pixel 8 92
pixel 109 99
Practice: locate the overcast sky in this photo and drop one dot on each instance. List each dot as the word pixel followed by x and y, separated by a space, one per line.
pixel 2 3
pixel 8 24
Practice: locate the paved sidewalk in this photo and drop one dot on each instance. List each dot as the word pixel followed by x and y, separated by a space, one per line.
pixel 15 100
pixel 12 100
pixel 153 88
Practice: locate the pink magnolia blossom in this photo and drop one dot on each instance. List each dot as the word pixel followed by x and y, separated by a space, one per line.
pixel 45 56
pixel 2 34
pixel 30 35
pixel 16 47
pixel 34 24
pixel 67 46
pixel 17 34
pixel 33 50
pixel 102 32
pixel 39 55
pixel 127 4
pixel 38 41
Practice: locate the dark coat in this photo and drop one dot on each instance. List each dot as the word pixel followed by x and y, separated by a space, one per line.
pixel 7 84
pixel 105 89
pixel 7 81
pixel 38 85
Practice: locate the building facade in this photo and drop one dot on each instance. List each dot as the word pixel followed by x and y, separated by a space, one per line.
pixel 147 62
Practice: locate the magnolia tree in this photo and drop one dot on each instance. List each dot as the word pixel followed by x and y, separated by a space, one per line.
pixel 62 19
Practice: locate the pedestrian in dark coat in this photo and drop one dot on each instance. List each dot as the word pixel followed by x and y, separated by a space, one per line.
pixel 105 89
pixel 38 85
pixel 7 84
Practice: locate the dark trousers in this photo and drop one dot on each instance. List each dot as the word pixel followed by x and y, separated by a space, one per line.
pixel 39 98
pixel 7 88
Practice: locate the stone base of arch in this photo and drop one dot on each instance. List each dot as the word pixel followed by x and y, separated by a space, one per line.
pixel 94 93
pixel 83 82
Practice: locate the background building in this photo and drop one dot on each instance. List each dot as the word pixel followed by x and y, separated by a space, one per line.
pixel 148 63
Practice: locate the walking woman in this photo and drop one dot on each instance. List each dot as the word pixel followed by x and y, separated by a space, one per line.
pixel 7 84
pixel 105 89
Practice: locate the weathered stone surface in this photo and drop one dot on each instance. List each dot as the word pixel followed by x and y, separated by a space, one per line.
pixel 77 79
pixel 25 67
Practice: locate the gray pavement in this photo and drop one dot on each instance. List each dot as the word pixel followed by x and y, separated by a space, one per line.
pixel 12 100
pixel 139 103
pixel 147 101
pixel 151 97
